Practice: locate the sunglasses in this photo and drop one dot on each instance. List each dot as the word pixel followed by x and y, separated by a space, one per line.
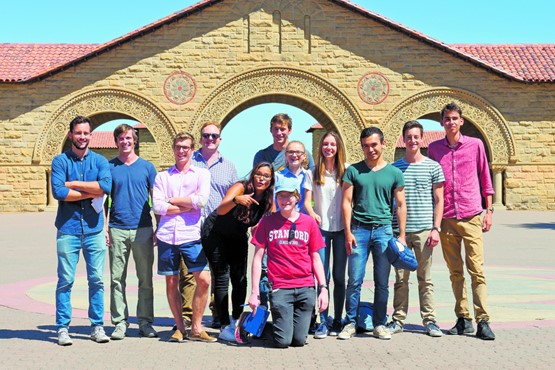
pixel 211 136
pixel 292 232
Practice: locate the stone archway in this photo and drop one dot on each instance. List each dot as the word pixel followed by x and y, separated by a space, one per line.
pixel 90 103
pixel 487 119
pixel 304 90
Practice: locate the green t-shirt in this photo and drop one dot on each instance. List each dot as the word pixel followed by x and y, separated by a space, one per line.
pixel 373 192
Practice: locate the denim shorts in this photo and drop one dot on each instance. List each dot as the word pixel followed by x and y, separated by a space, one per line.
pixel 169 257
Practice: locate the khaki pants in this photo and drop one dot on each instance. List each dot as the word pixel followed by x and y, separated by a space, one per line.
pixel 416 242
pixel 454 233
pixel 187 287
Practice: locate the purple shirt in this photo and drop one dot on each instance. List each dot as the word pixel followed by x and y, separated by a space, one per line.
pixel 467 177
pixel 183 227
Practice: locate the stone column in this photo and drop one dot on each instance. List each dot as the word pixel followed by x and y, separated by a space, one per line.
pixel 498 185
pixel 51 204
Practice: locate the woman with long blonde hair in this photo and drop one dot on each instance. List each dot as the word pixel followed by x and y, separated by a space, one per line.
pixel 324 188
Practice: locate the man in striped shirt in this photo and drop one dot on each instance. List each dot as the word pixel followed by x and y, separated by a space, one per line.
pixel 424 198
pixel 223 174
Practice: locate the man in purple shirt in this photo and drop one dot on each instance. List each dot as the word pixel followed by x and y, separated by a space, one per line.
pixel 467 180
pixel 178 197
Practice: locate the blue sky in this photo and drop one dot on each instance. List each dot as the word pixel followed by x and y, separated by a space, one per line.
pixel 470 21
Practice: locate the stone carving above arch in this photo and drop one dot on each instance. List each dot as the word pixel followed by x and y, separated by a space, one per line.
pixel 296 84
pixel 482 114
pixel 90 103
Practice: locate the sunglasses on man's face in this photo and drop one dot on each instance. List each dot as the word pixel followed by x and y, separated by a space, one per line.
pixel 212 136
pixel 292 232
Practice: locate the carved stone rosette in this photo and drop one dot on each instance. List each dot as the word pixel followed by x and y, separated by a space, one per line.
pixel 483 115
pixel 50 141
pixel 306 87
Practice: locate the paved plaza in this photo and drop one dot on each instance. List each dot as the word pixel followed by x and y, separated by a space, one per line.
pixel 520 271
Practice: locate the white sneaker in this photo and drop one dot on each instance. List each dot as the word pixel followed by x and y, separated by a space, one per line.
pixel 98 335
pixel 228 333
pixel 119 331
pixel 63 337
pixel 381 332
pixel 348 331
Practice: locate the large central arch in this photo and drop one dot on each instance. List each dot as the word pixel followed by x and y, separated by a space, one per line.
pixel 100 101
pixel 304 90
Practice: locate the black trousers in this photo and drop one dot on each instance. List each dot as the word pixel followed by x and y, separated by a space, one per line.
pixel 227 257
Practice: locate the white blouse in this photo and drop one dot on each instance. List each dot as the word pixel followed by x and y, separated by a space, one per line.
pixel 327 201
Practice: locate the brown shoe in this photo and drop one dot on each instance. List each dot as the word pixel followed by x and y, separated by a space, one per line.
pixel 177 336
pixel 202 337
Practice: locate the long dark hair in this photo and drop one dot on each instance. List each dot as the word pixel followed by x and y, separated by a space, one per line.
pixel 244 214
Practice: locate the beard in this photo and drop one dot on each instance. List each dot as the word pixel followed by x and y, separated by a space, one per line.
pixel 78 145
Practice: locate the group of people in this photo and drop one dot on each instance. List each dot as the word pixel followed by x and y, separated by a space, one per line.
pixel 310 219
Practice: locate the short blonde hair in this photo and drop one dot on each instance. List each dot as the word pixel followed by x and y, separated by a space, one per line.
pixel 183 136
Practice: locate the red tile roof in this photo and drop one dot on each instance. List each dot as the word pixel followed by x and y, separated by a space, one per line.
pixel 527 63
pixel 102 139
pixel 429 137
pixel 530 62
pixel 20 62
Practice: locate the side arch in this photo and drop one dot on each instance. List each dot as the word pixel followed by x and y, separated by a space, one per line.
pixel 90 103
pixel 483 115
pixel 304 90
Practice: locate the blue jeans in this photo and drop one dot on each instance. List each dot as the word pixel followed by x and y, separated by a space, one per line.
pixel 335 245
pixel 94 252
pixel 291 314
pixel 374 239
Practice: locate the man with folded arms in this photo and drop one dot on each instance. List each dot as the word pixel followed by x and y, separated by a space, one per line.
pixel 178 197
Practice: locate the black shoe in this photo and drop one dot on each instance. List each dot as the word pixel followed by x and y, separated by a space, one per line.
pixel 484 331
pixel 215 323
pixel 463 326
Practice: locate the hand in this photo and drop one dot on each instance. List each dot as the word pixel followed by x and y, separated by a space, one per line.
pixel 350 242
pixel 402 240
pixel 487 222
pixel 108 239
pixel 254 302
pixel 246 200
pixel 433 238
pixel 323 300
pixel 316 217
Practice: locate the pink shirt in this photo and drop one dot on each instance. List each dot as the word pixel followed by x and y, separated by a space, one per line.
pixel 289 261
pixel 467 177
pixel 184 227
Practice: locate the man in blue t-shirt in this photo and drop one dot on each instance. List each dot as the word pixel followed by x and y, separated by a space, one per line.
pixel 281 126
pixel 130 230
pixel 369 189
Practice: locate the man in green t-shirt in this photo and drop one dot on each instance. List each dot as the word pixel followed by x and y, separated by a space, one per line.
pixel 369 189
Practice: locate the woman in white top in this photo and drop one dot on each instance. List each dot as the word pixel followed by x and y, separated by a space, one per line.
pixel 324 187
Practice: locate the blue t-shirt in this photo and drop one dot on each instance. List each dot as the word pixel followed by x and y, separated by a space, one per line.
pixel 276 158
pixel 131 186
pixel 299 179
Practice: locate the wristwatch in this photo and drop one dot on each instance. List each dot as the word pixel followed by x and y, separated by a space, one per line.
pixel 438 229
pixel 322 286
pixel 490 208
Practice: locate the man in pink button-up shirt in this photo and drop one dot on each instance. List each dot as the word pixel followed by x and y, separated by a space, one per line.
pixel 178 196
pixel 467 180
